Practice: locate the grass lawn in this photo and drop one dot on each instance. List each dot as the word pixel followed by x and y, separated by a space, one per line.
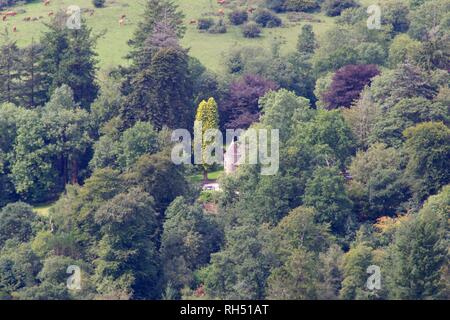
pixel 43 210
pixel 112 46
pixel 211 176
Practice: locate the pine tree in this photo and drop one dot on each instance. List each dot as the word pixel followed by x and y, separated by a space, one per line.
pixel 156 11
pixel 55 43
pixel 79 65
pixel 32 91
pixel 9 71
pixel 306 40
pixel 69 58
pixel 208 116
pixel 162 93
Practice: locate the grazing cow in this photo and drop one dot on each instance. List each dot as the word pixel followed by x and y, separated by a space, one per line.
pixel 14 29
pixel 193 21
pixel 4 18
pixel 221 12
pixel 27 19
pixel 10 13
pixel 51 13
pixel 122 22
pixel 46 2
pixel 123 16
pixel 200 291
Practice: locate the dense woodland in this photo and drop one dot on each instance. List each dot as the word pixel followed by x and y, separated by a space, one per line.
pixel 364 173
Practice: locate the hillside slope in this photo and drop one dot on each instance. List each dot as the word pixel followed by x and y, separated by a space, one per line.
pixel 112 47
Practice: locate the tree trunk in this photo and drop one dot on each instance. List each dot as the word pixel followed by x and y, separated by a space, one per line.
pixel 74 179
pixel 205 175
pixel 64 170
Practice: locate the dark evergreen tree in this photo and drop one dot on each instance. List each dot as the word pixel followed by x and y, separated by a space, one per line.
pixel 79 66
pixel 70 59
pixel 156 11
pixel 306 43
pixel 162 92
pixel 32 92
pixel 9 71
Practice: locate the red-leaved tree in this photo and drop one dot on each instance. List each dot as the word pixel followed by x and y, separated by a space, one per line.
pixel 240 107
pixel 347 84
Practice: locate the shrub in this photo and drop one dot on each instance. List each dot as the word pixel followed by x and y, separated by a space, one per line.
pixel 276 5
pixel 205 23
pixel 267 19
pixel 251 30
pixel 301 5
pixel 218 27
pixel 238 17
pixel 352 16
pixel 334 8
pixel 98 3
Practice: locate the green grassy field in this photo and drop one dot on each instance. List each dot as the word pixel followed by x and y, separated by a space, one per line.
pixel 112 47
pixel 43 210
pixel 211 176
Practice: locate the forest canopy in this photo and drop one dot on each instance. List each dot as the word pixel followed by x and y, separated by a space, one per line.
pixel 363 117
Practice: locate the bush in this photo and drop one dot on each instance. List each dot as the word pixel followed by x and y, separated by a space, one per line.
pixel 98 3
pixel 218 27
pixel 205 23
pixel 352 16
pixel 251 30
pixel 238 17
pixel 301 5
pixel 267 19
pixel 276 5
pixel 334 8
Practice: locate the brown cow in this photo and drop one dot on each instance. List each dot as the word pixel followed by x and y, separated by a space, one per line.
pixel 27 19
pixel 122 22
pixel 221 12
pixel 4 18
pixel 193 21
pixel 46 2
pixel 14 29
pixel 51 13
